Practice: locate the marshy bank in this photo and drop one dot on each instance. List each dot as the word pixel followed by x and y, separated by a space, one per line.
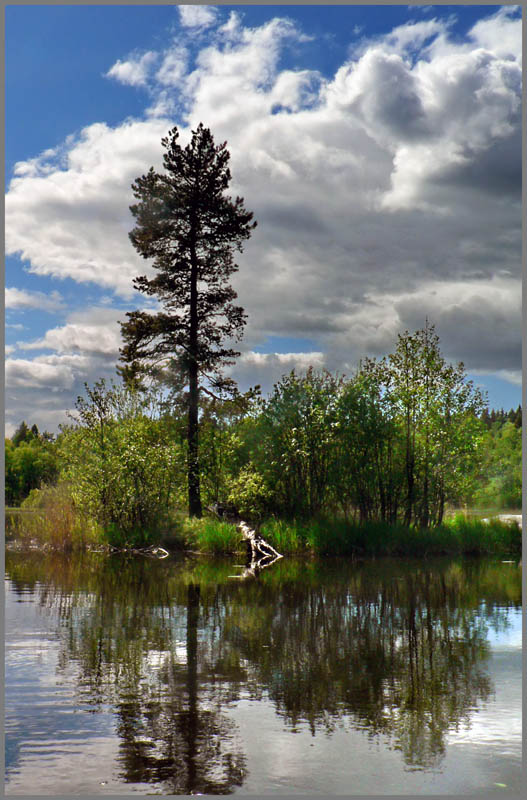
pixel 49 525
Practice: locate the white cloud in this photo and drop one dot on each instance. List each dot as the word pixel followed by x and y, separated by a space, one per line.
pixel 390 189
pixel 43 389
pixel 94 331
pixel 77 337
pixel 134 71
pixel 21 373
pixel 512 376
pixel 173 66
pixel 21 299
pixel 74 222
pixel 499 33
pixel 267 368
pixel 197 16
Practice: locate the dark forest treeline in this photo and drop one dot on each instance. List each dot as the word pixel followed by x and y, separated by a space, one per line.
pixel 500 416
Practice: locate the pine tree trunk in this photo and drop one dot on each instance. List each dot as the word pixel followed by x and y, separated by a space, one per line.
pixel 194 496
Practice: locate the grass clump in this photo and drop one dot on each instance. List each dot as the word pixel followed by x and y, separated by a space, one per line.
pixel 479 537
pixel 457 536
pixel 285 537
pixel 211 536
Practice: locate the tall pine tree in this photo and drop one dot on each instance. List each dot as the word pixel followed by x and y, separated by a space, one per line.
pixel 190 227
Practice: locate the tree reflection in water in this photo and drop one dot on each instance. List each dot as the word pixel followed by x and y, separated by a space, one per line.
pixel 397 649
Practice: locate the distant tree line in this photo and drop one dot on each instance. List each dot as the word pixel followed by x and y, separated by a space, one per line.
pixel 497 477
pixel 501 417
pixel 30 461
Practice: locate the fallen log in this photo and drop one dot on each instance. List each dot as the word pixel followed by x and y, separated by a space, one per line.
pixel 258 549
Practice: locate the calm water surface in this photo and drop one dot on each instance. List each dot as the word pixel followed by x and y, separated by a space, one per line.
pixel 129 675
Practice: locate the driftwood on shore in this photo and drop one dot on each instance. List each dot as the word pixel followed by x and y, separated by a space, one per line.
pixel 260 553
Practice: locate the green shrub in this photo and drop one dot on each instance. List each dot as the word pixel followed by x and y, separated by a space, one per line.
pixel 122 464
pixel 52 519
pixel 249 494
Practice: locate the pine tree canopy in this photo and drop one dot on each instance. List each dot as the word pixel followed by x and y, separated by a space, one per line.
pixel 190 227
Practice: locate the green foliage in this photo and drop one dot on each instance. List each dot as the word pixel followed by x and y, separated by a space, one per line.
pixel 249 494
pixel 385 450
pixel 367 468
pixel 223 434
pixel 435 409
pixel 51 519
pixel 395 443
pixel 296 437
pixel 190 226
pixel 499 416
pixel 124 471
pixel 497 480
pixel 30 461
pixel 212 536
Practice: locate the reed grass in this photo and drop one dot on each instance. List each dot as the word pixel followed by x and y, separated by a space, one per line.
pixel 48 518
pixel 456 536
pixel 211 536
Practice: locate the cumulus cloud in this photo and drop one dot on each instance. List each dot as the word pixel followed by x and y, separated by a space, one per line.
pixel 499 33
pixel 477 321
pixel 22 299
pixel 73 222
pixel 84 349
pixel 37 375
pixel 99 339
pixel 267 368
pixel 385 192
pixel 43 389
pixel 173 66
pixel 133 72
pixel 197 16
pixel 511 375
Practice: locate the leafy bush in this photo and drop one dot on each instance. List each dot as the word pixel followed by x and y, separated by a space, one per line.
pixel 123 469
pixel 249 494
pixel 29 462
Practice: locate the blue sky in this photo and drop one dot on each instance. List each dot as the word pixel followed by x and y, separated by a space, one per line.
pixel 378 148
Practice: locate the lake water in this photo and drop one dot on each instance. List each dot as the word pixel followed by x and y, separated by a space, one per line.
pixel 132 675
